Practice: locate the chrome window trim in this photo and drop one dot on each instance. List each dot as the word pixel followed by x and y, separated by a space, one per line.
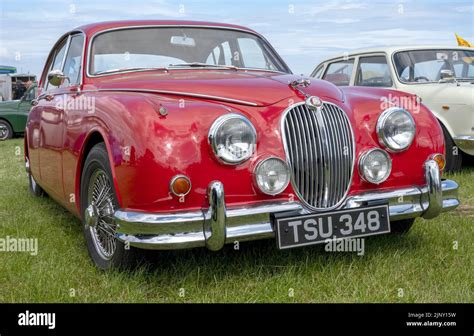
pixel 362 158
pixel 177 93
pixel 287 154
pixel 53 53
pixel 89 47
pixel 218 123
pixel 380 127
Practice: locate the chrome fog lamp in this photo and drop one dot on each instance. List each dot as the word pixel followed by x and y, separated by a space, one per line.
pixel 272 176
pixel 375 166
pixel 233 138
pixel 396 129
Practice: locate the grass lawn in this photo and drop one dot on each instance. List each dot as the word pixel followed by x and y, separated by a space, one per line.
pixel 422 266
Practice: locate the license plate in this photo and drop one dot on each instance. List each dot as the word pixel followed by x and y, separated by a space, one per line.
pixel 314 229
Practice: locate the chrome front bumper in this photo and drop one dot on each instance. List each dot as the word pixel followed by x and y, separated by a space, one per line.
pixel 219 225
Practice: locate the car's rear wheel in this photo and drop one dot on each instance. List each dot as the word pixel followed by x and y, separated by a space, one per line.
pixel 98 204
pixel 6 131
pixel 402 226
pixel 453 153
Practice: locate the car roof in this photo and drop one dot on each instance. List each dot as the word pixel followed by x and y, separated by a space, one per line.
pixel 93 28
pixel 393 49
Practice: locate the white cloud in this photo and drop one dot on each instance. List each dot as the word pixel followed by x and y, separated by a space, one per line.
pixel 338 21
pixel 335 6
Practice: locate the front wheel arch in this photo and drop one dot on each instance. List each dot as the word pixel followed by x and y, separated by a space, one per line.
pixel 94 137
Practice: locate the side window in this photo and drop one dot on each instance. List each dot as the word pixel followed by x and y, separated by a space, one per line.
pixel 57 63
pixel 373 71
pixel 339 73
pixel 72 65
pixel 252 54
pixel 31 93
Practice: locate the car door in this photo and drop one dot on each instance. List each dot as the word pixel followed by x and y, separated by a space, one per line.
pixel 51 129
pixel 76 107
pixel 24 107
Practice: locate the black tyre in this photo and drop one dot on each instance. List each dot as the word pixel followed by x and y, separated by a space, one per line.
pixel 453 153
pixel 98 204
pixel 401 226
pixel 6 131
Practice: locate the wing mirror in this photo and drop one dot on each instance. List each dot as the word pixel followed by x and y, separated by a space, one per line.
pixel 447 75
pixel 56 77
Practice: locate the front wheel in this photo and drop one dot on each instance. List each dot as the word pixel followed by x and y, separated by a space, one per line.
pixel 98 204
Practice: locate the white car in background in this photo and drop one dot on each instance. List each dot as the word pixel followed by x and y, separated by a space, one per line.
pixel 443 77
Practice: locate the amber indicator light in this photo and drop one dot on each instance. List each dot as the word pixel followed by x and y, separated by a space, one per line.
pixel 180 185
pixel 440 160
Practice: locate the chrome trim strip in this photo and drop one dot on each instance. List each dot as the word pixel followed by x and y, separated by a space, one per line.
pixel 219 225
pixel 465 142
pixel 267 44
pixel 176 93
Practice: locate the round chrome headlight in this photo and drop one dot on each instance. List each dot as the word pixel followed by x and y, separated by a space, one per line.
pixel 375 166
pixel 233 138
pixel 396 129
pixel 272 176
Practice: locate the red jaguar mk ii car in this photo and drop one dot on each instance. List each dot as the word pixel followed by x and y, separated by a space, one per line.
pixel 171 135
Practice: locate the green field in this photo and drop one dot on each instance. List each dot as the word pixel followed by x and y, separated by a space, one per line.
pixel 422 266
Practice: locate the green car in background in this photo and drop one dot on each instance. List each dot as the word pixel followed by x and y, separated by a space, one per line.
pixel 14 114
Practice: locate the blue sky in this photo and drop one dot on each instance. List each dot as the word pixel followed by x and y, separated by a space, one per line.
pixel 303 32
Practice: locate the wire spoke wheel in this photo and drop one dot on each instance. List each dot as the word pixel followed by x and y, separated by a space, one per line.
pixel 4 132
pixel 99 214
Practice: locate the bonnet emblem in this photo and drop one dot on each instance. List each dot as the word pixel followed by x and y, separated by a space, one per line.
pixel 314 102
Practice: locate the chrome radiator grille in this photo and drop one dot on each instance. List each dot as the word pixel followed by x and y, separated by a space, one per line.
pixel 319 147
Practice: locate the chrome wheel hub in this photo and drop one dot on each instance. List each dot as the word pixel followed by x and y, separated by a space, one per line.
pixel 99 214
pixel 3 132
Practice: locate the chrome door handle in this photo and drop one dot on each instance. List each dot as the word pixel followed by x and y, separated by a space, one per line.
pixel 46 97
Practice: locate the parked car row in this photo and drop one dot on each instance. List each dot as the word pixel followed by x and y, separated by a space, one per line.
pixel 170 135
